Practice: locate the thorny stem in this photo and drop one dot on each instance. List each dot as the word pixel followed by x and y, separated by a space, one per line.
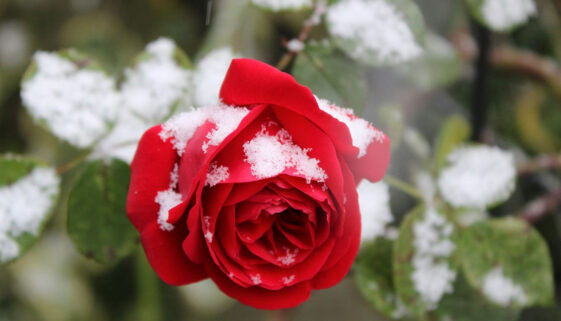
pixel 539 163
pixel 403 186
pixel 479 91
pixel 319 9
pixel 540 207
pixel 149 304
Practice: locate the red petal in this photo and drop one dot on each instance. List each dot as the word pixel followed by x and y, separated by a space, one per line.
pixel 150 173
pixel 374 164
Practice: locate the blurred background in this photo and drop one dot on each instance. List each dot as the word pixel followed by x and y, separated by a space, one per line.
pixel 521 111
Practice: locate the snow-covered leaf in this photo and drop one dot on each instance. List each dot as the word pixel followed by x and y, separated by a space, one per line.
pixel 438 66
pixel 331 75
pixel 282 5
pixel 425 259
pixel 209 75
pixel 375 212
pixel 502 15
pixel 455 131
pixel 477 177
pixel 377 32
pixel 508 262
pixel 71 96
pixel 374 278
pixel 97 220
pixel 28 193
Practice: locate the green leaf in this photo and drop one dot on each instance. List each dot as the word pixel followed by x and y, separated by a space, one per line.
pixel 491 14
pixel 332 76
pixel 455 131
pixel 407 252
pixel 508 250
pixel 28 194
pixel 97 220
pixel 377 33
pixel 374 278
pixel 440 64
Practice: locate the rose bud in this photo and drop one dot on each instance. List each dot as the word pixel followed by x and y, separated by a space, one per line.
pixel 257 193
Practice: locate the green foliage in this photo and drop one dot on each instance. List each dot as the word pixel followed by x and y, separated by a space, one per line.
pixel 332 76
pixel 97 222
pixel 516 248
pixel 455 131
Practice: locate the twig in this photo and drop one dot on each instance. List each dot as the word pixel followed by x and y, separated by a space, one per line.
pixel 541 162
pixel 319 9
pixel 403 186
pixel 479 91
pixel 539 208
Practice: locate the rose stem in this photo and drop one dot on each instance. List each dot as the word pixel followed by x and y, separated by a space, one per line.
pixel 541 162
pixel 148 291
pixel 403 186
pixel 278 315
pixel 73 163
pixel 315 18
pixel 539 208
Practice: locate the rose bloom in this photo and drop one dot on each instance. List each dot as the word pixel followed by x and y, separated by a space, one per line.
pixel 257 193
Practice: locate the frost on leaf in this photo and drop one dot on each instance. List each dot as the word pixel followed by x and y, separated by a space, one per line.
pixel 432 276
pixel 209 75
pixel 277 5
pixel 362 132
pixel 270 155
pixel 373 31
pixel 477 177
pixel 76 104
pixel 501 289
pixel 24 206
pixel 375 212
pixel 181 127
pixel 502 15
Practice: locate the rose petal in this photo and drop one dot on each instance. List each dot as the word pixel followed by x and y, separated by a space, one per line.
pixel 374 164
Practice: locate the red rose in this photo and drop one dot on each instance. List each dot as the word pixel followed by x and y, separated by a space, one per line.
pixel 259 194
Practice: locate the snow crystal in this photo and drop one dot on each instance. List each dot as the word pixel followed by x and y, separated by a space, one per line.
pixel 504 14
pixel 168 199
pixel 209 75
pixel 362 133
pixel 283 4
pixel 157 84
pixel 24 206
pixel 502 290
pixel 289 257
pixel 432 276
pixel 76 104
pixel 181 127
pixel 286 280
pixel 376 26
pixel 373 200
pixel 216 174
pixel 295 45
pixel 477 177
pixel 271 155
pixel 208 234
pixel 256 279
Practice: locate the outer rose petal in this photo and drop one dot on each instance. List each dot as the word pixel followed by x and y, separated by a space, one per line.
pixel 150 173
pixel 164 252
pixel 374 164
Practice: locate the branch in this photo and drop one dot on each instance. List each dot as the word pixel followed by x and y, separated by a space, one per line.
pixel 540 207
pixel 479 100
pixel 539 163
pixel 319 9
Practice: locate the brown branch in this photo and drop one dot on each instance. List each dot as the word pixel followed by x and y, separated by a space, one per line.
pixel 319 9
pixel 540 207
pixel 511 58
pixel 542 162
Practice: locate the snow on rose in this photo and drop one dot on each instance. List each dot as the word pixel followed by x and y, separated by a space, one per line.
pixel 257 193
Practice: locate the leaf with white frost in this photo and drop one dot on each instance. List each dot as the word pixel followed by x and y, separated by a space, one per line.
pixel 28 193
pixel 377 32
pixel 477 177
pixel 282 5
pixel 508 261
pixel 71 96
pixel 502 15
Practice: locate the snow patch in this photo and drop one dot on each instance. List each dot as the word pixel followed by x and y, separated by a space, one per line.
pixel 226 119
pixel 502 15
pixel 270 155
pixel 256 278
pixel 168 199
pixel 377 28
pixel 24 206
pixel 209 75
pixel 286 280
pixel 77 105
pixel 216 174
pixel 477 177
pixel 373 200
pixel 289 257
pixel 501 289
pixel 432 276
pixel 277 5
pixel 362 132
pixel 295 45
